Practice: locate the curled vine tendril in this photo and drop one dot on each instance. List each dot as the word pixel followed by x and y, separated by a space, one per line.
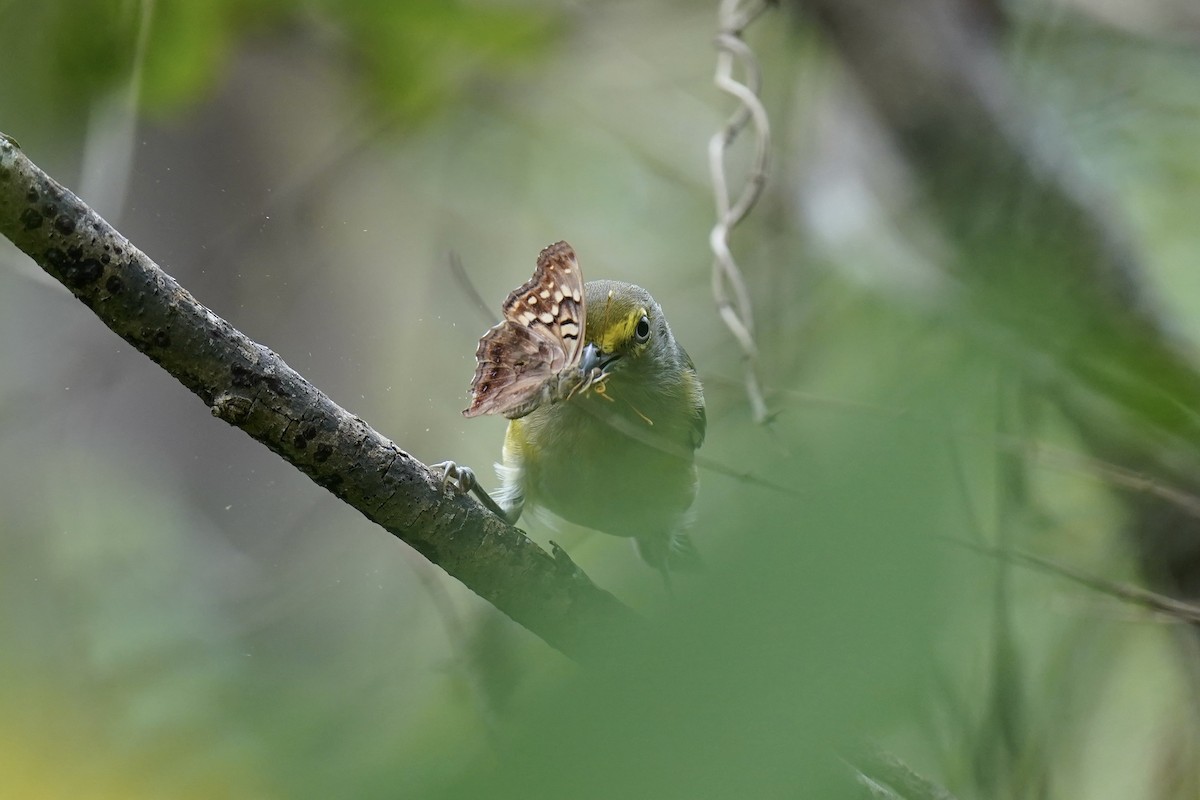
pixel 728 284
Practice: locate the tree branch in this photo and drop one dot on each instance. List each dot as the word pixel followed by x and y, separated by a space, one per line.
pixel 250 387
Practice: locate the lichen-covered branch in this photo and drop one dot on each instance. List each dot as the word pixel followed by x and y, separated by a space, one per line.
pixel 250 387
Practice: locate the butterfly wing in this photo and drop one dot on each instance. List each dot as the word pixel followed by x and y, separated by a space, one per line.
pixel 541 335
pixel 511 369
pixel 551 304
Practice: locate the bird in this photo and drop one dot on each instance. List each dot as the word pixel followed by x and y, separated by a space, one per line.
pixel 605 408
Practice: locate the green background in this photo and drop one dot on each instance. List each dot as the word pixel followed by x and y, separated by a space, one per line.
pixel 184 615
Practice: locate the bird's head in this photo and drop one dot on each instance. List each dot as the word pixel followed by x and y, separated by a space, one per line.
pixel 626 333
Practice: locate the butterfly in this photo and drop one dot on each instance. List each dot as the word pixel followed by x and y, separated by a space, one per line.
pixel 533 356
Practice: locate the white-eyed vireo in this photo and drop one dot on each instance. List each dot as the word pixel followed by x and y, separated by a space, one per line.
pixel 605 410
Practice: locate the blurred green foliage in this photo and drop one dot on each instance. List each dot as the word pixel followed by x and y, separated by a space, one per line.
pixel 413 57
pixel 184 615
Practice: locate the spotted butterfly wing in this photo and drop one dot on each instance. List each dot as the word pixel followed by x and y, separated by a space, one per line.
pixel 541 335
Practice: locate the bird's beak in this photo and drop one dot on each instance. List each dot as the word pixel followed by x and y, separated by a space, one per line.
pixel 593 357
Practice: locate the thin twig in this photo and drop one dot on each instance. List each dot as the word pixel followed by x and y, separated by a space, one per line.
pixel 1042 453
pixel 1176 609
pixel 886 776
pixel 1121 477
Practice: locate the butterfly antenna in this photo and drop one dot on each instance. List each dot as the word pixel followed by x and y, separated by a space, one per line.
pixel 467 286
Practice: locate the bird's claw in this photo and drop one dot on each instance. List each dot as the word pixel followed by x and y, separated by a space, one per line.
pixel 460 481
pixel 455 478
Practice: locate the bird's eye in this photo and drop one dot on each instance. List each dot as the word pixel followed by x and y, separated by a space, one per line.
pixel 642 332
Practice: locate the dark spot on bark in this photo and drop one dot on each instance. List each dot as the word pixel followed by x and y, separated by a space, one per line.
pixel 56 258
pixel 104 259
pixel 31 219
pixel 5 174
pixel 322 454
pixel 114 285
pixel 300 442
pixel 48 209
pixel 74 252
pixel 241 375
pixel 331 482
pixel 161 339
pixel 78 274
pixel 31 196
pixel 64 224
pixel 310 432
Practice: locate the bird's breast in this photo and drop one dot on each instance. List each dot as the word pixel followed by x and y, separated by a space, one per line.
pixel 598 467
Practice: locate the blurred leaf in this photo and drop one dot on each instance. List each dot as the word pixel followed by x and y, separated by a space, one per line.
pixel 420 56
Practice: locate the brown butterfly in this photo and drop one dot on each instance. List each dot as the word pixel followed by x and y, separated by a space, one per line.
pixel 533 356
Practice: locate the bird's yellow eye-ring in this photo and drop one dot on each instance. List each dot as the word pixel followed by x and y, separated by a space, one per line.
pixel 642 332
